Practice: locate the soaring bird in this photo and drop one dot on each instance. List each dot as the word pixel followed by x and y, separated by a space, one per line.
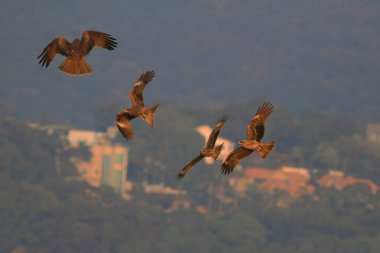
pixel 75 64
pixel 255 132
pixel 209 150
pixel 123 119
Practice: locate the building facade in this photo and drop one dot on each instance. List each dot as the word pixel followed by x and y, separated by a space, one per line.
pixel 109 162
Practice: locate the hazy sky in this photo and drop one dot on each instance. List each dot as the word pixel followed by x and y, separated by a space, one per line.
pixel 303 55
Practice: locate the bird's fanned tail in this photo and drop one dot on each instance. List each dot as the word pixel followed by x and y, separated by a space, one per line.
pixel 75 67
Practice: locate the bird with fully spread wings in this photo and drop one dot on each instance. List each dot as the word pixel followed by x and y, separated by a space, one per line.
pixel 75 64
pixel 255 132
pixel 209 150
pixel 123 119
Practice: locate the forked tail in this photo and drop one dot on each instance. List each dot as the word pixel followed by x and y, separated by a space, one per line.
pixel 264 148
pixel 75 67
pixel 148 115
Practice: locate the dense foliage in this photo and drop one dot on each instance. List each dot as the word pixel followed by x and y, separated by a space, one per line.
pixel 43 212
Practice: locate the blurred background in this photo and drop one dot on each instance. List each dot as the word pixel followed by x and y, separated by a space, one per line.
pixel 69 182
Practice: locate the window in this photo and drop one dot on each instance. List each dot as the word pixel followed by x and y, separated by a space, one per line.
pixel 106 166
pixel 119 158
pixel 118 181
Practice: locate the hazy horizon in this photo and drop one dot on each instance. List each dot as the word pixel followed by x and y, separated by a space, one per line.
pixel 302 56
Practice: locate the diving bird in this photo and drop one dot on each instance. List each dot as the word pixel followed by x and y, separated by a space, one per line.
pixel 75 64
pixel 255 132
pixel 209 150
pixel 123 119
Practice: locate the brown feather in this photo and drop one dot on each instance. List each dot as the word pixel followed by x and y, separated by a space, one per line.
pixel 123 122
pixel 75 67
pixel 148 115
pixel 136 93
pixel 262 148
pixel 92 39
pixel 215 132
pixel 188 166
pixel 57 46
pixel 256 127
pixel 233 159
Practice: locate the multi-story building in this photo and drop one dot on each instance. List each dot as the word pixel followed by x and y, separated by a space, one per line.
pixel 108 163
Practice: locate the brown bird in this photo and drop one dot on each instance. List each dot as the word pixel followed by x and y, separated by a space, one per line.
pixel 75 64
pixel 209 150
pixel 123 119
pixel 255 132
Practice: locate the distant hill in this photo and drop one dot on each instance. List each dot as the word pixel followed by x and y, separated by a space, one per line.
pixel 308 55
pixel 44 210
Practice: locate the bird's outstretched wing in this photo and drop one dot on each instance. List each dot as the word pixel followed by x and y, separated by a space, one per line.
pixel 123 122
pixel 57 46
pixel 92 39
pixel 136 93
pixel 233 159
pixel 215 132
pixel 255 128
pixel 188 166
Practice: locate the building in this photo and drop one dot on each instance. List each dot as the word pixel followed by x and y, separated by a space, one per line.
pixel 295 181
pixel 292 180
pixel 373 132
pixel 109 162
pixel 338 180
pixel 162 189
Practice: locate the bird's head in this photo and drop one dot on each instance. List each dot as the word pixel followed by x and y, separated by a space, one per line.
pixel 75 43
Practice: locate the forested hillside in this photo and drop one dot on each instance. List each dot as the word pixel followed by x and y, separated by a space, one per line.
pixel 42 211
pixel 309 55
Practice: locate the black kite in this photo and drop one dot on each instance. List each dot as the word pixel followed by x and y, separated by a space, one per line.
pixel 255 132
pixel 75 64
pixel 123 119
pixel 209 150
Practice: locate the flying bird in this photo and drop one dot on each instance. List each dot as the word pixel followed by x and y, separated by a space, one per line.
pixel 75 64
pixel 209 150
pixel 123 119
pixel 255 132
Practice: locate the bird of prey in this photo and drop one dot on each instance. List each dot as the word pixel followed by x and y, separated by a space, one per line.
pixel 255 132
pixel 123 119
pixel 75 64
pixel 209 150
